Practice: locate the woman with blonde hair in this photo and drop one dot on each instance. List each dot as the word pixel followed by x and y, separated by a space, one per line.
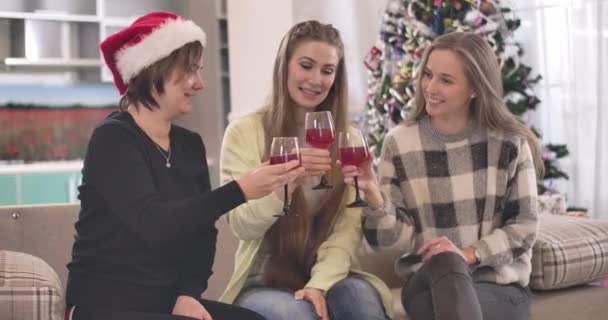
pixel 300 266
pixel 457 190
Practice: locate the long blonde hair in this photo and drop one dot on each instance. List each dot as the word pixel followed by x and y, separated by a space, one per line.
pixel 294 240
pixel 483 73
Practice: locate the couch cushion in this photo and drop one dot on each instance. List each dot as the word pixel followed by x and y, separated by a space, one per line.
pixel 398 306
pixel 380 263
pixel 45 231
pixel 585 302
pixel 582 303
pixel 223 265
pixel 569 251
pixel 29 288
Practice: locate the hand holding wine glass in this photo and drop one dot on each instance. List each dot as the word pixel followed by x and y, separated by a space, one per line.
pixel 315 161
pixel 320 133
pixel 366 180
pixel 282 150
pixel 264 179
pixel 353 151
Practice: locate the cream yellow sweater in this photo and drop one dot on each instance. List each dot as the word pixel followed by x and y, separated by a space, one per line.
pixel 242 150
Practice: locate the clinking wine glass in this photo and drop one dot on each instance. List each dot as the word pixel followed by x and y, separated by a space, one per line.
pixel 320 133
pixel 354 152
pixel 282 150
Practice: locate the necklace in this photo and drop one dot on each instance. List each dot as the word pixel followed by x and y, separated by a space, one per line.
pixel 167 157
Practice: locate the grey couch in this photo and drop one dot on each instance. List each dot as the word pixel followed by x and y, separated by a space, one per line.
pixel 47 232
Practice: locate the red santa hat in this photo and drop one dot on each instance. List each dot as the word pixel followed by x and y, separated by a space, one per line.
pixel 149 39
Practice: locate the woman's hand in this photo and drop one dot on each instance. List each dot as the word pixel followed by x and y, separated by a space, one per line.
pixel 367 181
pixel 187 306
pixel 314 296
pixel 315 161
pixel 443 244
pixel 266 178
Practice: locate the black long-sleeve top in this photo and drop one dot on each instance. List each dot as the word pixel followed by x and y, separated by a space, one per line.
pixel 145 233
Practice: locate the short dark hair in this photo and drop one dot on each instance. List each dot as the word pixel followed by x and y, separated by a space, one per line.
pixel 139 88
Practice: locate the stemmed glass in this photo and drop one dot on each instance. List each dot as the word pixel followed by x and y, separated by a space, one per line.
pixel 284 149
pixel 320 133
pixel 354 151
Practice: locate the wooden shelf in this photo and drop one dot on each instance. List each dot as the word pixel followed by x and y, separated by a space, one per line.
pixel 118 22
pixel 50 16
pixel 69 31
pixel 53 62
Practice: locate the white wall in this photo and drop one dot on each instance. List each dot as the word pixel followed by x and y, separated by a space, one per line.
pixel 359 24
pixel 206 116
pixel 256 28
pixel 567 43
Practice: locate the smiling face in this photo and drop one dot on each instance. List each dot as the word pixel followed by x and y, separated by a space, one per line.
pixel 311 73
pixel 180 88
pixel 446 89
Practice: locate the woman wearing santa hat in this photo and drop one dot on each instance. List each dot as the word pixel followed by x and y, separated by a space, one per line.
pixel 145 238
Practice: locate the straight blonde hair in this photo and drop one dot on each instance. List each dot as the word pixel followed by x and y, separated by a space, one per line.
pixel 483 73
pixel 295 240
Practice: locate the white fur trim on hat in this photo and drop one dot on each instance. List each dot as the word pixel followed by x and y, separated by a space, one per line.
pixel 157 45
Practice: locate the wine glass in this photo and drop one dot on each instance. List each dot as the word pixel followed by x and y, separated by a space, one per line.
pixel 320 133
pixel 284 149
pixel 354 152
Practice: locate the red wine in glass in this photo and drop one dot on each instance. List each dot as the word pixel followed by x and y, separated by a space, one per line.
pixel 320 138
pixel 320 133
pixel 353 151
pixel 285 158
pixel 354 156
pixel 282 150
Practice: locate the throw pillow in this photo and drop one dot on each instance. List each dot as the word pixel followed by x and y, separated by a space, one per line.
pixel 569 251
pixel 29 288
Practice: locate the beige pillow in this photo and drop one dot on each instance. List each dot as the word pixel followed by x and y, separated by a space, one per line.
pixel 29 288
pixel 569 251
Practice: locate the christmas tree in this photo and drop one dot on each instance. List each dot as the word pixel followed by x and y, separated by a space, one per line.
pixel 408 28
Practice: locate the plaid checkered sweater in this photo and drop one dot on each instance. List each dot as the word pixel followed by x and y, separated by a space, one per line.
pixel 477 188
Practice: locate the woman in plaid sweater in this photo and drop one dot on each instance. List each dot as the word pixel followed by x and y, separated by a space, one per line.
pixel 457 187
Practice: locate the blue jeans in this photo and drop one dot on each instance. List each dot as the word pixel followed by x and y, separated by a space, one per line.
pixel 348 299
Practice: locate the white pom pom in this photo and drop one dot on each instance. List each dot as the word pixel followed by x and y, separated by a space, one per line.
pixel 393 6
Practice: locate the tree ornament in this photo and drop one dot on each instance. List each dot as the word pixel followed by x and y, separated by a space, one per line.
pixel 487 8
pixel 373 58
pixel 447 23
pixel 398 80
pixel 457 5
